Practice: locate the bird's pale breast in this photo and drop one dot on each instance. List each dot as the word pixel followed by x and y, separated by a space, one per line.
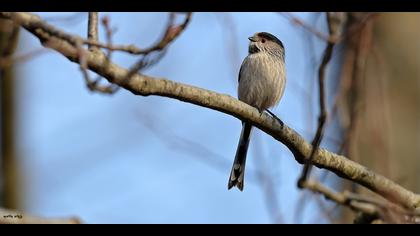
pixel 262 80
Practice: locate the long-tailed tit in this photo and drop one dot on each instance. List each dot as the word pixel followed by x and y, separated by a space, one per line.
pixel 262 79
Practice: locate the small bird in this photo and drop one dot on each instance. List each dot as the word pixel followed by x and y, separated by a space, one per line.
pixel 262 79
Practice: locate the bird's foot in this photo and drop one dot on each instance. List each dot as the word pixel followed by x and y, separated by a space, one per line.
pixel 275 117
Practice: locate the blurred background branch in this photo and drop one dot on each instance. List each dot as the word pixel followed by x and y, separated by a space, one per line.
pixel 335 23
pixel 10 197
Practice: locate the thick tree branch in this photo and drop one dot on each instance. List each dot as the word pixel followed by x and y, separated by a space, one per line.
pixel 17 217
pixel 144 85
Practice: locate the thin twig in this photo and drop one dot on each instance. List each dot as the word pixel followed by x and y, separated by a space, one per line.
pixel 297 21
pixel 171 33
pixel 331 39
pixel 92 34
pixel 8 61
pixel 375 208
pixel 334 25
pixel 339 198
pixel 92 85
pixel 112 88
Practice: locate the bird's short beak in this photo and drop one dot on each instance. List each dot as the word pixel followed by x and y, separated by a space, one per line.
pixel 252 39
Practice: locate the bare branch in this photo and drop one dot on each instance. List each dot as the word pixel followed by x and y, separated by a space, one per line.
pixel 171 33
pixel 91 84
pixel 297 21
pixel 370 207
pixel 93 29
pixel 92 34
pixel 11 60
pixel 339 198
pixel 329 39
pixel 143 85
pixel 335 21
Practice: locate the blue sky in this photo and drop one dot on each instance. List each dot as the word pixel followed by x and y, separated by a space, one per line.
pixel 132 159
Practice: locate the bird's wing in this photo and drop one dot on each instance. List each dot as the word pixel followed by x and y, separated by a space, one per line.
pixel 242 66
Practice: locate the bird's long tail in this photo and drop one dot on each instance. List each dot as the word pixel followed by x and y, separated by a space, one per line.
pixel 238 169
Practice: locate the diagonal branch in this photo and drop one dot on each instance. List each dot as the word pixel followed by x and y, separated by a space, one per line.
pixel 171 33
pixel 297 21
pixel 370 208
pixel 330 39
pixel 339 198
pixel 144 85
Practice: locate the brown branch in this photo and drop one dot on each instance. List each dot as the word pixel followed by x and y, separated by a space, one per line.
pixel 297 21
pixel 357 27
pixel 329 39
pixel 370 207
pixel 171 33
pixel 341 198
pixel 92 85
pixel 143 85
pixel 108 32
pixel 11 60
pixel 18 217
pixel 92 34
pixel 334 25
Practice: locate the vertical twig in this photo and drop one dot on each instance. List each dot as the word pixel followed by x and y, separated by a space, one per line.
pixel 334 21
pixel 92 34
pixel 93 30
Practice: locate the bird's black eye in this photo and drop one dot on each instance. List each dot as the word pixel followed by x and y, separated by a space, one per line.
pixel 262 40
